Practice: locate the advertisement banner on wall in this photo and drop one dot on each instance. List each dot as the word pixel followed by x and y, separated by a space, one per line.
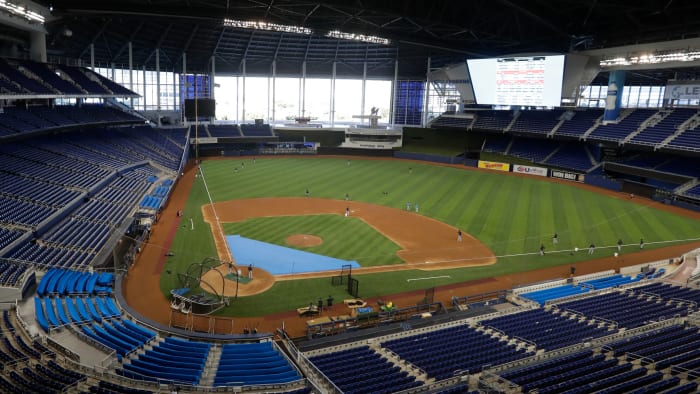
pixel 494 165
pixel 569 176
pixel 682 92
pixel 539 171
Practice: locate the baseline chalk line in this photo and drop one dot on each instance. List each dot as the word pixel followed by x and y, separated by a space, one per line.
pixel 430 277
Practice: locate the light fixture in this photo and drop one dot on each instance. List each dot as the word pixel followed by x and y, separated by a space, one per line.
pixel 358 37
pixel 684 55
pixel 260 25
pixel 21 11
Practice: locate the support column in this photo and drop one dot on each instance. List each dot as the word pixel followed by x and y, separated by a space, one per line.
pixel 37 46
pixel 243 95
pixel 332 101
pixel 364 84
pixel 302 90
pixel 158 85
pixel 613 101
pixel 92 56
pixel 131 72
pixel 183 86
pixel 426 95
pixel 274 90
pixel 212 77
pixel 394 88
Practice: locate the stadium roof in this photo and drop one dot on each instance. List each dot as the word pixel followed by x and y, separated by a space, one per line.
pixel 446 30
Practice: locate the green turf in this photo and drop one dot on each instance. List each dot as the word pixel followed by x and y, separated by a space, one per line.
pixel 343 238
pixel 512 215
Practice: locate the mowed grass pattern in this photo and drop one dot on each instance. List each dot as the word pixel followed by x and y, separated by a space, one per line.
pixel 344 238
pixel 512 215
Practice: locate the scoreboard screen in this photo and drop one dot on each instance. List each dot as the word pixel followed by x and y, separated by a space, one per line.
pixel 523 80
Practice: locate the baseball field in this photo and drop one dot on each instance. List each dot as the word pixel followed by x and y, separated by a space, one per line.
pixel 505 220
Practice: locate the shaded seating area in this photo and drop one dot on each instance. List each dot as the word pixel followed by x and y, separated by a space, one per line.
pixel 546 329
pixel 586 372
pixel 658 132
pixel 253 364
pixel 443 352
pixel 580 122
pixel 255 130
pixel 221 130
pixel 535 150
pixel 626 310
pixel 492 120
pixel 540 122
pixel 623 128
pixel 571 156
pixel 362 370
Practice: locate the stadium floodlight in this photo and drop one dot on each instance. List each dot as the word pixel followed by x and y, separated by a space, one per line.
pixel 652 58
pixel 261 25
pixel 357 37
pixel 21 10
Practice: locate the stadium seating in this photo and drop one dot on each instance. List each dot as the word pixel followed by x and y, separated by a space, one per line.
pixel 571 156
pixel 361 370
pixel 492 120
pixel 250 364
pixel 619 131
pixel 666 127
pixel 538 122
pixel 580 123
pixel 442 352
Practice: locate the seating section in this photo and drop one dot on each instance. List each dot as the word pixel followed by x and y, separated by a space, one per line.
pixel 655 134
pixel 541 122
pixel 627 310
pixel 28 77
pixel 362 370
pixel 687 140
pixel 492 120
pixel 619 131
pixel 253 130
pixel 547 329
pixel 442 352
pixel 451 121
pixel 580 123
pixel 173 359
pixel 87 182
pixel 584 372
pixel 224 130
pixel 544 295
pixel 571 156
pixel 497 143
pixel 535 150
pixel 67 297
pixel 14 120
pixel 253 364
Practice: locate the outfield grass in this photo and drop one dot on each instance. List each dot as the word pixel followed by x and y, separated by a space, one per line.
pixel 512 215
pixel 343 238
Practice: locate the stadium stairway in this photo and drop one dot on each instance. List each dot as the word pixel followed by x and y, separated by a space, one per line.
pixel 210 366
pixel 409 368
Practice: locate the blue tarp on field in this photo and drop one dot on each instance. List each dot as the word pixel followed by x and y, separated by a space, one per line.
pixel 279 260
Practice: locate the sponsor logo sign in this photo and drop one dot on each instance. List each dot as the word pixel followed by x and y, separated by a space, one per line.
pixel 540 171
pixel 494 165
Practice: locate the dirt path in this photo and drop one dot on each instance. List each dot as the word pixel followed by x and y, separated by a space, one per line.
pixel 142 290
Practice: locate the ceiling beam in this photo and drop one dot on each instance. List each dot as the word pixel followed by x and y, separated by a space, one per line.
pixel 535 17
pixel 133 34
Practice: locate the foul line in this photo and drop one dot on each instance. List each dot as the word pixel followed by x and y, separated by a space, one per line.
pixel 431 277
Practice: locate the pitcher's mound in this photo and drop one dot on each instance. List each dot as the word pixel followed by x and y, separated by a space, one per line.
pixel 303 240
